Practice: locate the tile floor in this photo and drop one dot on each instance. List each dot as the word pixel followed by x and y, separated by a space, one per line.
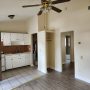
pixel 17 77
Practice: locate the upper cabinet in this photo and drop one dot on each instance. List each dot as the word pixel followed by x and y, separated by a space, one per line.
pixel 6 39
pixel 20 37
pixel 9 39
pixel 26 39
pixel 13 36
pixel 2 34
pixel 17 39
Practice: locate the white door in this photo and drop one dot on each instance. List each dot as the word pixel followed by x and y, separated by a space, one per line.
pixel 42 60
pixel 9 62
pixel 6 39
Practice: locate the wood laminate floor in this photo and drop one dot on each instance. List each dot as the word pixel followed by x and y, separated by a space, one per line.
pixel 56 81
pixel 17 77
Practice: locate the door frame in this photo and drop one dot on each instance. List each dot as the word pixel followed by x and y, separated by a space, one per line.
pixel 63 50
pixel 32 47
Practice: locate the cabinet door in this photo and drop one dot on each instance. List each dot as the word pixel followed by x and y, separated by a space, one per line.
pixel 9 62
pixel 13 36
pixel 16 61
pixel 26 39
pixel 22 60
pixel 27 59
pixel 6 39
pixel 20 37
pixel 2 34
pixel 3 68
pixel 2 60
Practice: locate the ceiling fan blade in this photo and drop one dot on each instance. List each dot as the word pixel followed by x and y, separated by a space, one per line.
pixel 40 12
pixel 56 9
pixel 60 1
pixel 43 0
pixel 25 6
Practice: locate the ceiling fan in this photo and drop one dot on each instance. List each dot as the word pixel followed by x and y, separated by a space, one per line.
pixel 47 5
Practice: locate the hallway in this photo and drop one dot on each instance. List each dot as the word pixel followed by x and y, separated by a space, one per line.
pixel 57 81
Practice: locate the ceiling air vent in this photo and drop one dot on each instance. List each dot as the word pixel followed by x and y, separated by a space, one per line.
pixel 88 7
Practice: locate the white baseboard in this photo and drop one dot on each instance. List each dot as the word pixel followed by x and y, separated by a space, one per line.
pixel 58 70
pixel 82 78
pixel 31 65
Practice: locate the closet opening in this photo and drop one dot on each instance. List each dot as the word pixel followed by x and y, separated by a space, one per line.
pixel 35 49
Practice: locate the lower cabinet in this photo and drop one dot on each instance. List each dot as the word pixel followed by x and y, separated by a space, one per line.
pixel 17 60
pixel 3 62
pixel 9 62
pixel 22 60
pixel 27 59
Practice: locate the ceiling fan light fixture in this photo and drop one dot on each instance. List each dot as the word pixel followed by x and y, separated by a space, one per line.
pixel 48 5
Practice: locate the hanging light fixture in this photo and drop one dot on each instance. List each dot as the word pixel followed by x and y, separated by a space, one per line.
pixel 11 16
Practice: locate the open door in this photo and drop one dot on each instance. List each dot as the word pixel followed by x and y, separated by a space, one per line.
pixel 42 57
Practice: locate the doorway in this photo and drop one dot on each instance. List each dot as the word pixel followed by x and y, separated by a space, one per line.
pixel 35 49
pixel 67 47
pixel 67 51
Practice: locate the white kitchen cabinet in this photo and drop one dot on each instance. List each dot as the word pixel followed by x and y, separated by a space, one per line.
pixel 17 39
pixel 27 59
pixel 6 39
pixel 2 34
pixel 20 37
pixel 9 62
pixel 26 39
pixel 13 37
pixel 22 60
pixel 3 68
pixel 3 62
pixel 16 61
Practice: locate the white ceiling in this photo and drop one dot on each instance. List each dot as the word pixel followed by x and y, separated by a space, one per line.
pixel 15 7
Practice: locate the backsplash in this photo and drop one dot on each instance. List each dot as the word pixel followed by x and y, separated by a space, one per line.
pixel 15 49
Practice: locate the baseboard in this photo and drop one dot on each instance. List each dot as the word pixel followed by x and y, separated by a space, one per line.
pixel 31 65
pixel 58 70
pixel 45 72
pixel 82 78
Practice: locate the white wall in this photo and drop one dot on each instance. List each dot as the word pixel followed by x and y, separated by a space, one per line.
pixel 32 28
pixel 14 26
pixel 42 59
pixel 77 19
pixel 33 25
pixel 82 57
